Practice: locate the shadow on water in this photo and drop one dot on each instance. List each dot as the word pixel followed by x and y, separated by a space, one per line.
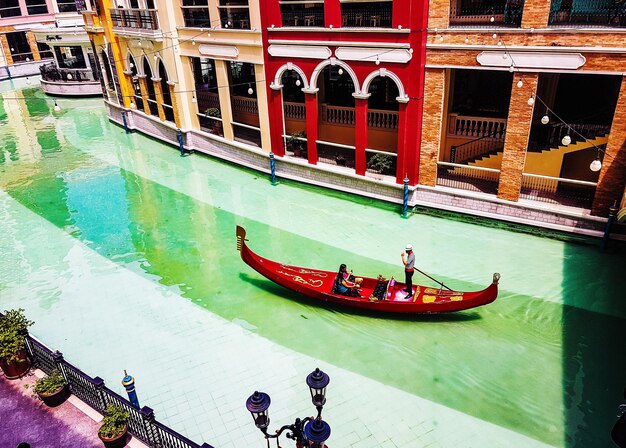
pixel 272 288
pixel 593 359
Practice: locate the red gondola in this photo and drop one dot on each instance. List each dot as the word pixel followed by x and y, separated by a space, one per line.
pixel 376 295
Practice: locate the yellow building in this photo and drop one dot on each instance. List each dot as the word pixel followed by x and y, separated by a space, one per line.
pixel 168 67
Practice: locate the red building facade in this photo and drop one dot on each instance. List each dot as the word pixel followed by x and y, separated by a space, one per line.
pixel 345 82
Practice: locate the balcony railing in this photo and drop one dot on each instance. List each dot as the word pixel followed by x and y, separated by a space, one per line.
pixel 235 17
pixel 377 118
pixel 144 19
pixel 476 127
pixel 50 72
pixel 591 13
pixel 302 14
pixel 544 137
pixel 294 111
pixel 244 105
pixel 368 15
pixel 477 148
pixel 470 178
pixel 508 14
pixel 556 190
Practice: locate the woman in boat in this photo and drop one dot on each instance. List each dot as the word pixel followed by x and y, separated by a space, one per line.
pixel 343 286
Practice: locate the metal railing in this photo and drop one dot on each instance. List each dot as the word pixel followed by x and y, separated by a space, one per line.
pixel 475 127
pixel 544 137
pixel 508 13
pixel 376 118
pixel 591 13
pixel 244 105
pixel 302 14
pixel 141 424
pixel 294 111
pixel 557 190
pixel 50 72
pixel 145 19
pixel 470 178
pixel 480 147
pixel 366 15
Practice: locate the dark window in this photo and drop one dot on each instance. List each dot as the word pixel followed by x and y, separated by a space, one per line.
pixel 296 13
pixel 234 14
pixel 196 13
pixel 67 5
pixel 207 95
pixel 10 8
pixel 19 47
pixel 44 50
pixel 337 87
pixel 470 97
pixel 366 14
pixel 36 7
pixel 134 4
pixel 70 57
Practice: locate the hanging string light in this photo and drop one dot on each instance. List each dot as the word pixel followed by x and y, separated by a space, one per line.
pixel 545 119
pixel 340 71
pixel 531 101
pixel 596 165
pixel 133 105
pixel 193 42
pixel 27 80
pixel 566 139
pixel 193 98
pixel 250 91
pixel 57 108
pixel 520 83
pixel 298 82
pixel 378 60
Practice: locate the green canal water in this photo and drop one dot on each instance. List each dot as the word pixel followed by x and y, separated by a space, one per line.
pixel 545 360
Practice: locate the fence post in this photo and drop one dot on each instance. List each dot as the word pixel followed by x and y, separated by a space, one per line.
pixel 147 415
pixel 129 384
pixel 58 359
pixel 29 346
pixel 273 168
pixel 99 385
pixel 124 121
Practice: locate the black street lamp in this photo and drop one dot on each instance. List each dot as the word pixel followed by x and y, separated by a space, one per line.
pixel 309 432
pixel 618 434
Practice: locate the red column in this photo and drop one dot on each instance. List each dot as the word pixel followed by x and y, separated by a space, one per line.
pixel 332 13
pixel 310 100
pixel 277 129
pixel 411 143
pixel 402 159
pixel 360 119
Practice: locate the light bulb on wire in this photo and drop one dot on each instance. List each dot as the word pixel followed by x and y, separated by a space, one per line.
pixel 69 76
pixel 520 83
pixel 531 101
pixel 27 80
pixel 511 68
pixel 193 41
pixel 466 40
pixel 250 91
pixel 57 108
pixel 596 165
pixel 492 19
pixel 566 140
pixel 340 71
pixel 193 98
pixel 298 82
pixel 494 35
pixel 133 105
pixel 378 60
pixel 545 119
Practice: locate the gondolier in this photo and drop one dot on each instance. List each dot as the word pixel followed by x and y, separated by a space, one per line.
pixel 409 266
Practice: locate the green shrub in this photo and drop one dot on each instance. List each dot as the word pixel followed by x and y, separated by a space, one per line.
pixel 381 163
pixel 213 112
pixel 114 421
pixel 49 384
pixel 12 326
pixel 293 140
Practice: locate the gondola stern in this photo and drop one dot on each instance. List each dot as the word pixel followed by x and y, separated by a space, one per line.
pixel 241 238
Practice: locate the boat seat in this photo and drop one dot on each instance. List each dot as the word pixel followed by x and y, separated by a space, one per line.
pixel 380 290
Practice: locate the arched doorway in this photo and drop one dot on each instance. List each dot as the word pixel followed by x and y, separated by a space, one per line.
pixel 167 97
pixel 336 116
pixel 134 72
pixel 294 114
pixel 147 70
pixel 382 126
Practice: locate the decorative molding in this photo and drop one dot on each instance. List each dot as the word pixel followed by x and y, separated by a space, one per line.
pixel 335 61
pixel 339 43
pixel 224 51
pixel 568 61
pixel 299 51
pixel 401 56
pixel 402 96
pixel 143 43
pixel 276 85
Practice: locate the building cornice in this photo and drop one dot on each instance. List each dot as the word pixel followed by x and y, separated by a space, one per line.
pixel 318 29
pixel 340 43
pixel 526 48
pixel 503 30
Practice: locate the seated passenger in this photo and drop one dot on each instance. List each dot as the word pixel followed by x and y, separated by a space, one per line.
pixel 349 276
pixel 343 286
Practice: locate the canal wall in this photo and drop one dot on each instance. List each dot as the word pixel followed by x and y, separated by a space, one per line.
pixel 551 216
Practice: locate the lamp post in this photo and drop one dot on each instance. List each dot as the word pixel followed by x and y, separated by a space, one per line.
pixel 308 432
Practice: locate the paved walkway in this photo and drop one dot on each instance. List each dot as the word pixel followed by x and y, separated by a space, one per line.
pixel 26 419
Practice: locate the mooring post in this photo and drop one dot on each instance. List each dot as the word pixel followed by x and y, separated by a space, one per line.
pixel 405 202
pixel 609 224
pixel 273 168
pixel 129 384
pixel 179 135
pixel 124 121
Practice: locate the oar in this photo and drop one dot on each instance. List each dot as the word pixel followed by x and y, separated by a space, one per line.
pixel 433 279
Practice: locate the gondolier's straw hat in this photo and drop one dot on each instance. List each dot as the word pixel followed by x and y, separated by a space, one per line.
pixel 409 247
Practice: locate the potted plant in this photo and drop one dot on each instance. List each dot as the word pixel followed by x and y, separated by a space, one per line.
pixel 297 146
pixel 13 357
pixel 114 427
pixel 51 389
pixel 216 125
pixel 381 163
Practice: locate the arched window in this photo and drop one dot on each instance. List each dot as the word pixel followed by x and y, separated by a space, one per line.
pixel 147 70
pixel 132 66
pixel 167 97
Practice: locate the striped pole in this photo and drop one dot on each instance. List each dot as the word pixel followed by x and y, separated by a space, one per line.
pixel 124 121
pixel 129 384
pixel 273 168
pixel 609 224
pixel 179 135
pixel 405 202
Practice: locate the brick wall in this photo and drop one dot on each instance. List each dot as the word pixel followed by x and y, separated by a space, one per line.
pixel 518 129
pixel 432 121
pixel 613 173
pixel 438 14
pixel 4 43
